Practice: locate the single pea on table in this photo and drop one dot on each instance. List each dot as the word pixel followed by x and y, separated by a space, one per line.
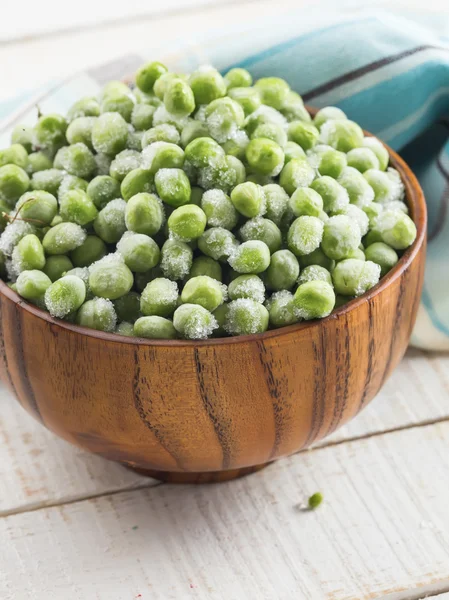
pixel 195 206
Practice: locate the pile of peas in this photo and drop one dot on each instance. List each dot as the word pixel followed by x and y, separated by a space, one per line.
pixel 197 206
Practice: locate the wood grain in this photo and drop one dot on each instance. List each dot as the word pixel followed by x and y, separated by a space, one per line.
pixel 381 533
pixel 216 405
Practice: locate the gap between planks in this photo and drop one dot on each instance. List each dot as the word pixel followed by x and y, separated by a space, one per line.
pixel 152 483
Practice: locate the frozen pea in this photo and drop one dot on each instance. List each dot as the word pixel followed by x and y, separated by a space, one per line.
pixel 335 197
pixel 283 271
pixel 13 233
pixel 187 222
pixel 110 277
pixel 148 74
pixel 71 182
pixel 84 107
pixel 64 296
pixel 271 131
pixel 396 229
pixel 160 297
pixel 194 322
pixel 125 162
pixel 385 188
pixel 379 150
pixel 327 160
pixel 305 235
pixel 38 207
pixel 247 286
pixel 265 156
pixel 297 173
pixel 293 108
pixel 127 307
pixel 63 238
pixel 263 230
pixel 315 273
pixel 217 243
pixel 362 159
pixel 39 161
pixel 97 313
pixel 176 260
pixel 178 98
pixel 161 133
pixel 160 85
pixel 326 114
pixel 173 186
pixel 398 192
pixel 135 182
pixel 48 180
pixel 144 214
pixel 372 211
pixel 317 257
pixel 140 252
pixel 102 189
pixel 14 155
pixel 162 116
pixel 203 290
pixel 249 199
pixel 273 91
pixel 162 155
pixel 219 210
pixel 341 235
pixel 357 253
pixel 204 265
pixel 306 201
pixel 23 135
pixel 119 103
pixel 224 116
pixel 250 257
pixel 103 162
pixel 304 134
pixel 110 224
pixel 358 216
pixel 78 160
pixel 155 328
pixel 264 114
pixel 113 88
pixel 77 207
pixel 277 201
pixel 49 131
pixel 247 97
pixel 314 300
pixel 292 151
pixel 92 249
pixel 110 133
pixel 382 255
pixel 341 134
pixel 207 85
pixel 142 116
pixel 204 152
pixel 126 329
pixel 56 266
pixel 13 183
pixel 238 77
pixel 353 277
pixel 33 284
pixel 134 140
pixel 282 310
pixel 359 190
pixel 80 130
pixel 371 237
pixel 245 316
pixel 190 132
pixel 28 254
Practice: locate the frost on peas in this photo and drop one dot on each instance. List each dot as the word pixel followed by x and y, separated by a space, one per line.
pixel 292 151
pixel 162 155
pixel 247 97
pixel 353 277
pixel 77 207
pixel 264 114
pixel 194 322
pixel 283 271
pixel 63 238
pixel 303 134
pixel 125 162
pixel 207 84
pixel 396 229
pixel 249 199
pixel 379 150
pixel 358 216
pixel 110 133
pixel 187 223
pixel 173 186
pixel 305 235
pixel 306 201
pixel 341 134
pixel 65 296
pixel 192 131
pixel 160 297
pixel 38 207
pixel 362 159
pixel 219 210
pixel 69 183
pixel 161 133
pixel 38 161
pixel 223 118
pixel 271 131
pixel 250 257
pixel 205 291
pixel 142 116
pixel 176 259
pixel 327 160
pixel 103 162
pixel 162 116
pixel 119 103
pixel 277 200
pixel 341 236
pixel 140 252
pixel 110 223
pixel 326 114
pixel 245 316
pixel 335 197
pixel 204 265
pixel 32 285
pixel 144 213
pixel 386 187
pixel 314 300
pixel 293 108
pixel 273 91
pixel 315 273
pixel 265 156
pixel 97 313
pixel 27 255
pixel 399 191
pixel 247 286
pixel 359 190
pixel 217 243
pixel 23 135
pixel 80 130
pixel 282 310
pixel 110 277
pixel 263 230
pixel 102 189
pixel 297 173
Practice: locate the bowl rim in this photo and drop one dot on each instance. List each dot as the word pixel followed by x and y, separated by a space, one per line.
pixel 416 203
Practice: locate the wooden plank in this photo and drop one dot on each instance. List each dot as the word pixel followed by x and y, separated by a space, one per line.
pixel 37 468
pixel 381 531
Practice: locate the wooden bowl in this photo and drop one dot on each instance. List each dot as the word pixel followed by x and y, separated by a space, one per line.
pixel 212 410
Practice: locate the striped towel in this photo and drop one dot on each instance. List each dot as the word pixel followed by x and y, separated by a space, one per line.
pixel 389 72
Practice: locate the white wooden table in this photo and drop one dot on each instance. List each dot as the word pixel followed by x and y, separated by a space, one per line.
pixel 75 527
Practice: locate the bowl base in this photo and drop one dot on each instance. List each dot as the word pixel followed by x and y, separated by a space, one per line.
pixel 201 477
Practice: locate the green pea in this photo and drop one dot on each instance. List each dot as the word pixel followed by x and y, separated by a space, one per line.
pixel 23 135
pixel 32 285
pixel 204 152
pixel 142 116
pixel 56 266
pixel 203 290
pixel 102 189
pixel 64 296
pixel 328 161
pixel 207 85
pixel 63 238
pixel 110 277
pixel 80 131
pixel 385 188
pixel 160 297
pixel 396 229
pixel 237 144
pixel 306 201
pixel 162 155
pixel 144 214
pixel 173 186
pixel 292 151
pixel 84 107
pixel 237 77
pixel 14 155
pixel 353 277
pixel 219 210
pixel 362 159
pixel 265 156
pixel 248 199
pixel 358 216
pixel 110 133
pixel 125 162
pixel 125 328
pixel 315 273
pixel 134 140
pixel 247 286
pixel 282 310
pixel 217 243
pixel 277 202
pixel 314 300
pixel 283 271
pixel 271 131
pixel 317 257
pixel 305 235
pixel 204 265
pixel 224 116
pixel 135 182
pixel 155 328
pixel 263 230
pixel 245 317
pixel 13 183
pixel 49 131
pixel 297 173
pixel 250 257
pixel 77 207
pixel 140 252
pixel 187 222
pixel 28 254
pixel 190 132
pixel 273 91
pixel 178 98
pixel 327 114
pixel 341 134
pixel 147 75
pixel 92 249
pixel 379 150
pixel 340 237
pixel 39 161
pixel 303 134
pixel 335 197
pixel 382 255
pixel 293 108
pixel 359 190
pixel 127 307
pixel 97 313
pixel 247 97
pixel 118 103
pixel 176 259
pixel 39 207
pixel 103 162
pixel 161 133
